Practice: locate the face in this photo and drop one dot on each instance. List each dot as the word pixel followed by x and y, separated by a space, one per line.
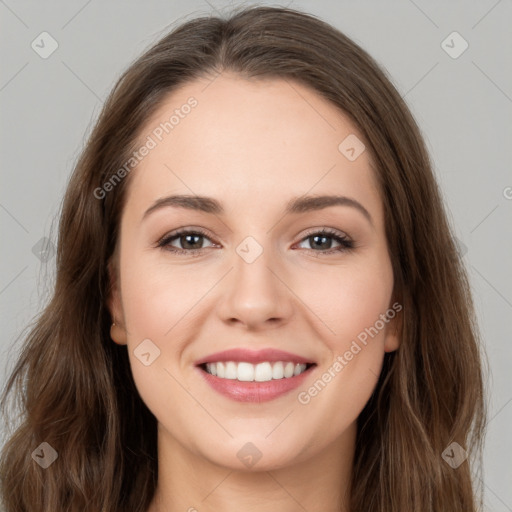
pixel 257 267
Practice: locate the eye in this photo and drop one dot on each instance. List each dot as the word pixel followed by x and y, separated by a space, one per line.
pixel 190 241
pixel 322 239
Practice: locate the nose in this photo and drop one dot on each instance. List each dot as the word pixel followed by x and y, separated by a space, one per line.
pixel 254 294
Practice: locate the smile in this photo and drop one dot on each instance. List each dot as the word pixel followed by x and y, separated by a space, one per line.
pixel 261 372
pixel 246 375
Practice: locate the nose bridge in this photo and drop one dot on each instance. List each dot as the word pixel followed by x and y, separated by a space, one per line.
pixel 252 277
pixel 254 293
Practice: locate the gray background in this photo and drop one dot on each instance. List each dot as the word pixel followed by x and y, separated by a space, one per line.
pixel 463 106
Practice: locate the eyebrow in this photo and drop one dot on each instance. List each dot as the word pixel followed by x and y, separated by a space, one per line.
pixel 295 205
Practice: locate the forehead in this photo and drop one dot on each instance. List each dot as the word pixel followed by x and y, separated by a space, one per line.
pixel 270 138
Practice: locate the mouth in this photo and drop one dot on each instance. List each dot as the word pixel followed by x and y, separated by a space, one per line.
pixel 266 371
pixel 248 376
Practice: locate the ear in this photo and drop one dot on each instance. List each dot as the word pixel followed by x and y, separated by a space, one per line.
pixel 394 328
pixel 117 328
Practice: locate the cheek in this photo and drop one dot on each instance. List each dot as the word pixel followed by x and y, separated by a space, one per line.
pixel 157 307
pixel 348 300
pixel 157 297
pixel 351 303
pixel 152 309
pixel 347 377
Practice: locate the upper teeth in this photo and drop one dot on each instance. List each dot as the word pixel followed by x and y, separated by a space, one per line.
pixel 260 372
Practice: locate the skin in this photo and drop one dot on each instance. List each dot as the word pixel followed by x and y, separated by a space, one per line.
pixel 252 145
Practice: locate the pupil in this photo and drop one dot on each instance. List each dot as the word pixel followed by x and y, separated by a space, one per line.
pixel 323 238
pixel 187 237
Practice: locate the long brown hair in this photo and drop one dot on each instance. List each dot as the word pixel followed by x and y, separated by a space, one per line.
pixel 76 388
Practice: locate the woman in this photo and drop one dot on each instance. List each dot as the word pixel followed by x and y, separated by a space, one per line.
pixel 259 303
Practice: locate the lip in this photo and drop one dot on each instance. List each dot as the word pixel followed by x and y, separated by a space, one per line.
pixel 254 392
pixel 253 356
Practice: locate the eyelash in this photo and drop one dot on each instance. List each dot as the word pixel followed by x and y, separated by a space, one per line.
pixel 345 243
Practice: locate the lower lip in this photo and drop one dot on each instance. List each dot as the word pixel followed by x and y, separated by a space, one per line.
pixel 254 391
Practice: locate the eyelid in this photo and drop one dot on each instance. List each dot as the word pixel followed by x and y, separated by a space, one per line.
pixel 326 230
pixel 195 229
pixel 183 231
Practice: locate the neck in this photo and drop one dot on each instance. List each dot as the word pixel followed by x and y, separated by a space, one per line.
pixel 190 483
